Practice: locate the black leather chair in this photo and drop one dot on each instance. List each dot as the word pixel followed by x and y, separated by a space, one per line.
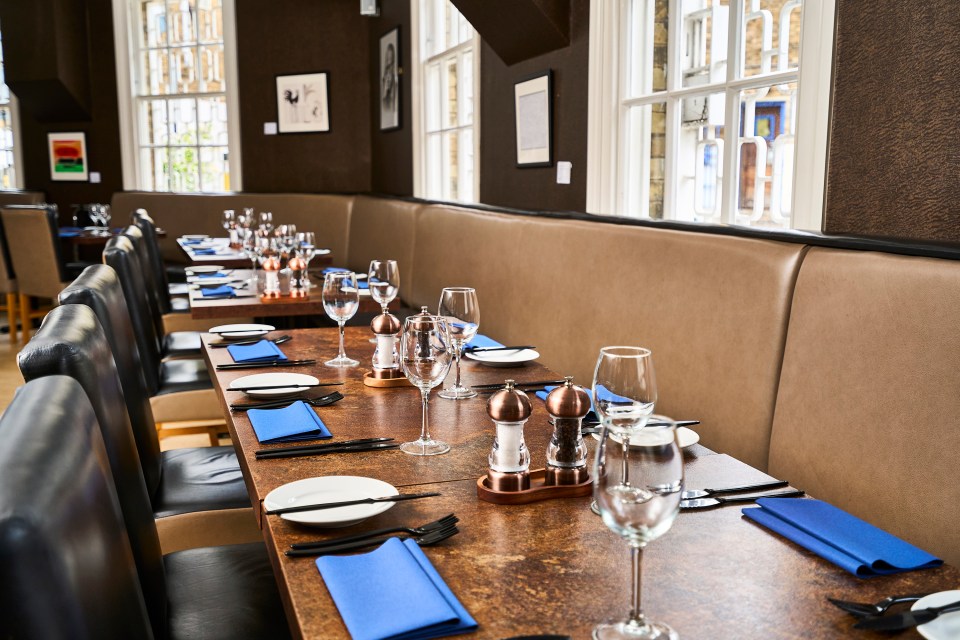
pixel 71 342
pixel 67 566
pixel 173 343
pixel 167 292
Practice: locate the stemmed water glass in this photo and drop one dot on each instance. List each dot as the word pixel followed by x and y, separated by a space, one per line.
pixel 425 355
pixel 229 219
pixel 638 480
pixel 624 387
pixel 307 241
pixel 340 301
pixel 266 221
pixel 459 307
pixel 383 278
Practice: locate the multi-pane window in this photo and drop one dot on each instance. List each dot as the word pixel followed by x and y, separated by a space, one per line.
pixel 8 171
pixel 180 86
pixel 707 110
pixel 448 62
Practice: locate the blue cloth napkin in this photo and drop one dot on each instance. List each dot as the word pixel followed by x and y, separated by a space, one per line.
pixel 481 340
pixel 191 241
pixel 361 284
pixel 205 252
pixel 290 424
pixel 217 292
pixel 843 539
pixel 263 351
pixel 218 274
pixel 70 233
pixel 393 593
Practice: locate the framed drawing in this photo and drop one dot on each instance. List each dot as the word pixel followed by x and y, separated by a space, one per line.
pixel 390 80
pixel 533 104
pixel 302 105
pixel 68 156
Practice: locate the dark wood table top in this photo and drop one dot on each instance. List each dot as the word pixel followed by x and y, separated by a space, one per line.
pixel 552 566
pixel 261 307
pixel 91 237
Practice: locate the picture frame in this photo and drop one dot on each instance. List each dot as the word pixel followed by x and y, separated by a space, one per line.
pixel 533 109
pixel 68 156
pixel 389 81
pixel 303 103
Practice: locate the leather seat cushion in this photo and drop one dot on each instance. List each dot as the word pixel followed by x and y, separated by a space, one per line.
pixel 199 479
pixel 183 375
pixel 226 592
pixel 180 343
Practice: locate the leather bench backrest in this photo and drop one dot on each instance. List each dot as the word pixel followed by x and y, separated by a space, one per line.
pixel 712 308
pixel 21 197
pixel 867 405
pixel 383 229
pixel 179 214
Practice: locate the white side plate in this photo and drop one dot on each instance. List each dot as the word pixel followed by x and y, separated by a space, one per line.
pixel 945 627
pixel 512 358
pixel 240 331
pixel 330 489
pixel 204 268
pixel 274 380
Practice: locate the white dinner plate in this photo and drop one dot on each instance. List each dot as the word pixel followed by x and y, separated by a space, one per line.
pixel 240 331
pixel 210 282
pixel 513 358
pixel 686 437
pixel 331 489
pixel 274 380
pixel 945 627
pixel 204 268
pixel 195 236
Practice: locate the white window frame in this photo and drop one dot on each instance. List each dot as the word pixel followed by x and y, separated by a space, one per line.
pixel 418 87
pixel 605 157
pixel 14 106
pixel 125 23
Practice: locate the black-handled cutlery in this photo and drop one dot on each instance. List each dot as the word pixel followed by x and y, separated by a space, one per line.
pixel 264 365
pixel 436 525
pixel 906 619
pixel 489 349
pixel 594 427
pixel 423 540
pixel 242 343
pixel 271 387
pixel 349 503
pixel 709 503
pixel 499 385
pixel 322 401
pixel 708 493
pixel 347 446
pixel 868 609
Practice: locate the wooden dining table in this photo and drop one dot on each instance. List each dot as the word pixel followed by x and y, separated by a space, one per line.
pixel 550 567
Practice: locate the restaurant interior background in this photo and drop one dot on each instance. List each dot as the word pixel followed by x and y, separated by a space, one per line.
pixel 892 165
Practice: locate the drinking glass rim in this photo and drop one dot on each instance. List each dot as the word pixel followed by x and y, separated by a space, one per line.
pixel 458 289
pixel 333 275
pixel 632 352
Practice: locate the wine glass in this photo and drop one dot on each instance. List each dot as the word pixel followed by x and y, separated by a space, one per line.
pixel 266 221
pixel 459 306
pixel 425 355
pixel 638 480
pixel 340 301
pixel 229 219
pixel 383 277
pixel 624 387
pixel 307 240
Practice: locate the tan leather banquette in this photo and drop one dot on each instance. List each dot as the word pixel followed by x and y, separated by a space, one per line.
pixel 833 369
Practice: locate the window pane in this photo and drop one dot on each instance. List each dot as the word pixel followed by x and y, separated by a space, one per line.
pixel 212 69
pixel 183 70
pixel 154 166
pixel 646 160
pixel 434 167
pixel 700 158
pixel 704 44
pixel 450 93
pixel 210 20
pixel 449 159
pixel 771 36
pixel 649 26
pixel 466 88
pixel 155 78
pixel 184 169
pixel 183 21
pixel 153 18
pixel 183 121
pixel 765 179
pixel 214 169
pixel 466 164
pixel 153 122
pixel 433 99
pixel 212 119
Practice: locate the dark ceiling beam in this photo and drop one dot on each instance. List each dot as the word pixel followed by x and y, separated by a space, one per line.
pixel 518 30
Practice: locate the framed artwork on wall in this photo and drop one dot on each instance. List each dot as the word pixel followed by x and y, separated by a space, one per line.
pixel 390 80
pixel 533 105
pixel 302 104
pixel 68 156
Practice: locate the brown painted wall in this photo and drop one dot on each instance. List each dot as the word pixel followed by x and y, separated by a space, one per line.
pixel 302 36
pixel 894 157
pixel 102 129
pixel 391 151
pixel 501 181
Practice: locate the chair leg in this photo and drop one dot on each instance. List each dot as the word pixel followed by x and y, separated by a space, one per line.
pixel 12 316
pixel 25 322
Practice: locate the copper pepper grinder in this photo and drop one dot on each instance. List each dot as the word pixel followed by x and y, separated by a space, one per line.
pixel 566 453
pixel 386 361
pixel 509 458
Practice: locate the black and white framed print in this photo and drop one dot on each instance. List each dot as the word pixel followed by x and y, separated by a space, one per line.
pixel 302 105
pixel 390 80
pixel 533 103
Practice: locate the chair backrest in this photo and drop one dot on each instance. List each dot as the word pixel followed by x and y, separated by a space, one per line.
pixel 119 254
pixel 70 342
pixel 135 236
pixel 99 288
pixel 66 567
pixel 8 278
pixel 34 245
pixel 158 269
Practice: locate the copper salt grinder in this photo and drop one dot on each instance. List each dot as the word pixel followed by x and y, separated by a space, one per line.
pixel 386 360
pixel 509 458
pixel 567 453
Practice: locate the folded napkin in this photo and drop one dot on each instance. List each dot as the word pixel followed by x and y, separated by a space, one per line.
pixel 263 351
pixel 843 539
pixel 72 232
pixel 205 252
pixel 393 593
pixel 480 340
pixel 216 292
pixel 218 274
pixel 290 424
pixel 361 284
pixel 191 242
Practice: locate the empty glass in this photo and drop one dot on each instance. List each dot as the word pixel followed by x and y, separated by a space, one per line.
pixel 266 221
pixel 624 387
pixel 425 355
pixel 461 310
pixel 307 241
pixel 383 278
pixel 638 480
pixel 340 301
